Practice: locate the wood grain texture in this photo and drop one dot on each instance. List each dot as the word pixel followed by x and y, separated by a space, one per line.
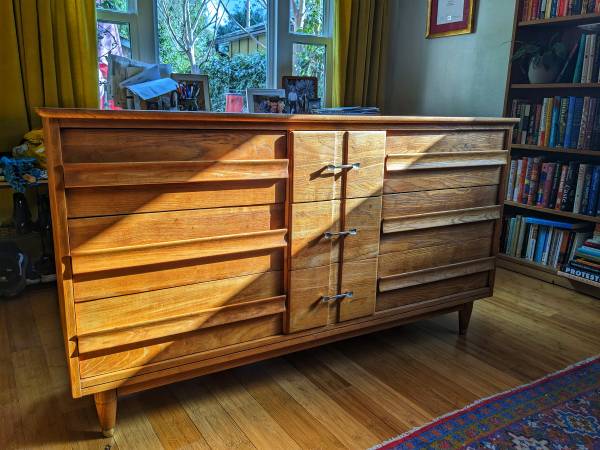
pixel 131 280
pixel 528 329
pixel 430 291
pixel 154 306
pixel 106 407
pixel 126 145
pixel 363 215
pixel 430 275
pixel 443 141
pixel 312 153
pixel 441 219
pixel 433 237
pixel 309 246
pixel 368 149
pixel 132 333
pixel 359 277
pixel 424 180
pixel 423 258
pixel 105 201
pixel 105 233
pixel 142 357
pixel 412 203
pixel 82 175
pixel 397 162
pixel 167 252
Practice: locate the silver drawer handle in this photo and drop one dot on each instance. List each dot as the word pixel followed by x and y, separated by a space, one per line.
pixel 343 166
pixel 333 298
pixel 350 232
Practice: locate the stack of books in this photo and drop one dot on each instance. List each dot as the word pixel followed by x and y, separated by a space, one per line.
pixel 570 187
pixel 568 122
pixel 546 9
pixel 545 242
pixel 586 260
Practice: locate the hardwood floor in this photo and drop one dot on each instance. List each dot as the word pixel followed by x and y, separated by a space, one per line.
pixel 352 394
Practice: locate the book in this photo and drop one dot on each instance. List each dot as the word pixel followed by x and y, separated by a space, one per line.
pixel 554 123
pixel 555 185
pixel 561 186
pixel 556 223
pixel 518 185
pixel 582 274
pixel 531 241
pixel 581 265
pixel 568 196
pixel 579 61
pixel 579 188
pixel 569 65
pixel 532 180
pixel 510 186
pixel 569 126
pixel 583 125
pixel 594 192
pixel 587 182
pixel 562 121
pixel 540 243
pixel 586 58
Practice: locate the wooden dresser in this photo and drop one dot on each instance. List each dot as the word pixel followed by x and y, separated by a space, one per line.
pixel 188 243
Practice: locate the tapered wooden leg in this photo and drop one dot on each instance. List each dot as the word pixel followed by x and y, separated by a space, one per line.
pixel 464 316
pixel 106 407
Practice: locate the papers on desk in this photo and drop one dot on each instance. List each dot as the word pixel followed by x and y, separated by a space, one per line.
pixel 349 110
pixel 154 88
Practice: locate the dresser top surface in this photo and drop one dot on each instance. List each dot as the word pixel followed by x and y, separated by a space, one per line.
pixel 266 119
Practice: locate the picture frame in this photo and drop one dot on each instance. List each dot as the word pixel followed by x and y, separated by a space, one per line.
pixel 450 18
pixel 261 101
pixel 299 91
pixel 192 94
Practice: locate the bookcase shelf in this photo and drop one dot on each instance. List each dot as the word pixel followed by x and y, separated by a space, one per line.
pixel 578 279
pixel 555 86
pixel 531 31
pixel 560 150
pixel 566 21
pixel 570 215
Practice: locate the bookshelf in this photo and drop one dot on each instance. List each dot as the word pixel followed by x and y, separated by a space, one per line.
pixel 518 87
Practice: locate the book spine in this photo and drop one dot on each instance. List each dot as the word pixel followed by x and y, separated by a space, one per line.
pixel 561 186
pixel 569 190
pixel 587 141
pixel 583 274
pixel 518 186
pixel 542 132
pixel 593 202
pixel 540 244
pixel 579 63
pixel 554 123
pixel 576 122
pixel 586 59
pixel 533 232
pixel 570 115
pixel 510 185
pixel 555 184
pixel 595 61
pixel 579 188
pixel 562 121
pixel 543 174
pixel 548 182
pixel 587 182
pixel 584 119
pixel 527 181
pixel 580 266
pixel 525 122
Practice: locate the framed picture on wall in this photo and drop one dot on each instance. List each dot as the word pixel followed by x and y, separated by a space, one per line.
pixel 450 17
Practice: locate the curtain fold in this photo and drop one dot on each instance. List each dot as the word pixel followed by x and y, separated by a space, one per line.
pixel 48 54
pixel 360 44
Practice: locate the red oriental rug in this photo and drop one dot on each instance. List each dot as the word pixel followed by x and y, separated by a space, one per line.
pixel 558 412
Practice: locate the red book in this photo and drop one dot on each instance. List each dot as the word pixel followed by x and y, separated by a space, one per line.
pixel 536 168
pixel 548 185
pixel 561 186
pixel 593 244
pixel 539 193
pixel 560 10
pixel 564 245
pixel 522 194
pixel 535 9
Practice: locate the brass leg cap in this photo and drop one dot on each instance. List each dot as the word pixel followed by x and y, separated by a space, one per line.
pixel 108 433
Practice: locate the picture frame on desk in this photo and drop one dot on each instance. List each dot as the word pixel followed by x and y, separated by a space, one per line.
pixel 192 93
pixel 265 101
pixel 299 91
pixel 450 18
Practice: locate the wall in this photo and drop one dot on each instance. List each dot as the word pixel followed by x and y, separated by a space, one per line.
pixel 452 76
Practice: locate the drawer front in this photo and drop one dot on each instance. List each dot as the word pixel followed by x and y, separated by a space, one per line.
pixel 330 165
pixel 128 319
pixel 364 216
pixel 308 287
pixel 438 141
pixel 360 278
pixel 434 179
pixel 145 358
pixel 310 246
pixel 419 295
pixel 313 152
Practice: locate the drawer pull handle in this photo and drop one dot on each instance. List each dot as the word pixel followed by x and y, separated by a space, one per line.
pixel 331 234
pixel 333 298
pixel 343 166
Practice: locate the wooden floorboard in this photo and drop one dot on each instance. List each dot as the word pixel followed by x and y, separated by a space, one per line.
pixel 352 394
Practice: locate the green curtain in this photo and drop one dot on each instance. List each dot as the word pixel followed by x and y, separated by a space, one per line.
pixel 48 58
pixel 360 37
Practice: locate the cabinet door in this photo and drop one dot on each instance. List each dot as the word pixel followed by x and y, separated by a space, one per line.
pixel 366 148
pixel 364 216
pixel 313 153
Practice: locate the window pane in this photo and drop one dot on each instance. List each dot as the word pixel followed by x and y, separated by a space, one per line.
pixel 309 61
pixel 307 16
pixel 113 5
pixel 113 39
pixel 230 44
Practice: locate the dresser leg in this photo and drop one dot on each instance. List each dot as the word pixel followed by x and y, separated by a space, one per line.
pixel 106 407
pixel 464 316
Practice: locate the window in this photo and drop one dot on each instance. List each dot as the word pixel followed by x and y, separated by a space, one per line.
pixel 239 44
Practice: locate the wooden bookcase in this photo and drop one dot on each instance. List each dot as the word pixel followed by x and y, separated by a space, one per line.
pixel 517 87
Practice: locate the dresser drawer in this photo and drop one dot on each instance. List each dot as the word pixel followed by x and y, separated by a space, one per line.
pixel 360 278
pixel 329 165
pixel 317 234
pixel 128 319
pixel 438 141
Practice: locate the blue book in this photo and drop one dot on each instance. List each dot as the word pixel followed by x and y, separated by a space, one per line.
pixel 570 115
pixel 578 112
pixel 593 204
pixel 589 251
pixel 553 9
pixel 554 124
pixel 555 224
pixel 579 63
pixel 540 244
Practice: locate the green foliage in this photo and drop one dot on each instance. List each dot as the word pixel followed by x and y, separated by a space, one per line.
pixel 234 74
pixel 549 52
pixel 114 5
pixel 169 53
pixel 258 15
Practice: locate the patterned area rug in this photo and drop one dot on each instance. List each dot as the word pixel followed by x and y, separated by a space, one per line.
pixel 558 412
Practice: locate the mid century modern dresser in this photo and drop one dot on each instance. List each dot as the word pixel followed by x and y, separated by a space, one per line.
pixel 188 243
